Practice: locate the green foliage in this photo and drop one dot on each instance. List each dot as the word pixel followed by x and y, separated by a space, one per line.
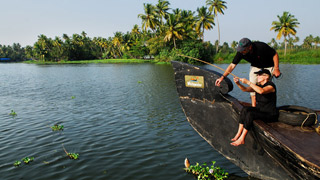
pixel 27 159
pixel 14 52
pixel 73 155
pixel 57 127
pixel 222 58
pixel 300 56
pixel 204 172
pixel 17 163
pixel 101 61
pixel 191 48
pixel 13 113
pixel 73 97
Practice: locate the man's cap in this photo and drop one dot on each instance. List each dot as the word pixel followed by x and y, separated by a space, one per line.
pixel 243 44
pixel 263 71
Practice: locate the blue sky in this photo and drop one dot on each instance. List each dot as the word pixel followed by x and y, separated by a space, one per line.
pixel 22 21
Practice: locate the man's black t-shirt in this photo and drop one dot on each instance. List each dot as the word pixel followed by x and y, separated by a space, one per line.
pixel 261 55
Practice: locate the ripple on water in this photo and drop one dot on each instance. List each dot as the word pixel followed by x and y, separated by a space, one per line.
pixel 125 121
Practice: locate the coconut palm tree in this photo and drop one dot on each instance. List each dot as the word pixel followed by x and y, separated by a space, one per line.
pixel 117 43
pixel 273 43
pixel 296 39
pixel 188 19
pixel 307 42
pixel 135 32
pixel 286 26
pixel 217 7
pixel 173 29
pixel 204 21
pixel 42 47
pixel 316 41
pixel 234 44
pixel 57 43
pixel 162 10
pixel 149 19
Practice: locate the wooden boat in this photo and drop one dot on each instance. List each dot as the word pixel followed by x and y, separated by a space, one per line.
pixel 271 151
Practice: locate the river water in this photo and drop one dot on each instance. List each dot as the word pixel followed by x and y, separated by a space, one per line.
pixel 124 120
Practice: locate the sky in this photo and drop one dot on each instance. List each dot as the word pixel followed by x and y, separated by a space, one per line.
pixel 22 21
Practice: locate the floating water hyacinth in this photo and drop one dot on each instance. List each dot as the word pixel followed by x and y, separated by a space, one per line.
pixel 27 159
pixel 203 172
pixel 13 113
pixel 17 163
pixel 57 127
pixel 71 155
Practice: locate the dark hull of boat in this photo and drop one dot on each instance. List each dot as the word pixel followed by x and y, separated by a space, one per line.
pixel 214 115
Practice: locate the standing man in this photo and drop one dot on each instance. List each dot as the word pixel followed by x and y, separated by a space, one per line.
pixel 260 55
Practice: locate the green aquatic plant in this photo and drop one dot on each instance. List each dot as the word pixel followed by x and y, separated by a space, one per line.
pixel 71 155
pixel 139 82
pixel 204 172
pixel 57 127
pixel 13 113
pixel 27 159
pixel 17 163
pixel 73 97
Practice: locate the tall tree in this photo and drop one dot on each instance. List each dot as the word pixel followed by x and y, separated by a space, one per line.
pixel 162 10
pixel 234 44
pixel 188 20
pixel 204 21
pixel 316 41
pixel 307 42
pixel 274 43
pixel 149 19
pixel 217 7
pixel 57 52
pixel 286 26
pixel 174 29
pixel 135 32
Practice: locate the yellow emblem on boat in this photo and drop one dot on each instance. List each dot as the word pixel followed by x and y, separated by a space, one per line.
pixel 194 81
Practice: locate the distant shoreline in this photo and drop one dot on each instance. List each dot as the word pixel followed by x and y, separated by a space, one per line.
pixel 296 56
pixel 98 61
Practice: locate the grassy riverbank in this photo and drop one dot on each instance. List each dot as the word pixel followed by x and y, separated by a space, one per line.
pixel 103 61
pixel 295 56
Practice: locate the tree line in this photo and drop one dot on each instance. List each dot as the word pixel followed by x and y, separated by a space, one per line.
pixel 162 36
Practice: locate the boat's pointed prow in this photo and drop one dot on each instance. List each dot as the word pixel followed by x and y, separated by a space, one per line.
pixel 199 83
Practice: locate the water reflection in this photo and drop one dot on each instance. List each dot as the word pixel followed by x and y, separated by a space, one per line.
pixel 125 120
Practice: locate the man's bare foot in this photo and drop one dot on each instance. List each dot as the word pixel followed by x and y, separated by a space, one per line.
pixel 237 142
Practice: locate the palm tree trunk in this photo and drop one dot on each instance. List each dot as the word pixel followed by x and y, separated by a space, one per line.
pixel 217 47
pixel 285 46
pixel 203 34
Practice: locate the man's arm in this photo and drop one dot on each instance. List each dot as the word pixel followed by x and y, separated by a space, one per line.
pixel 276 71
pixel 226 73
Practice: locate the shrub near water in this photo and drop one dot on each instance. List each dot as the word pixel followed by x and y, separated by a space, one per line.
pixel 300 56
